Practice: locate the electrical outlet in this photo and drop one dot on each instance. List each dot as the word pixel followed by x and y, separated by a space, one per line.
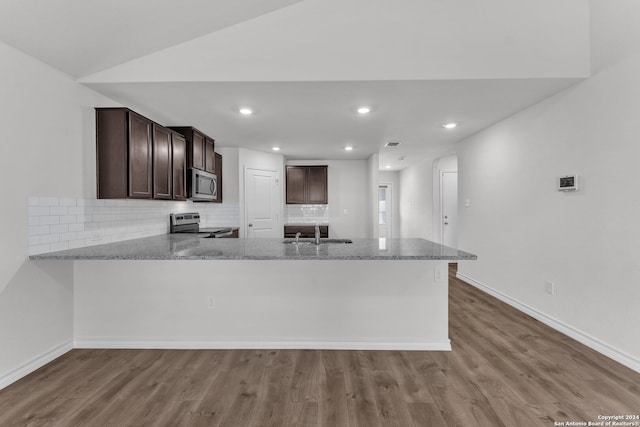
pixel 211 302
pixel 550 287
pixel 437 275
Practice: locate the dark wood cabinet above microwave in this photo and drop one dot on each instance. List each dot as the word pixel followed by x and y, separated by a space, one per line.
pixel 137 158
pixel 306 185
pixel 200 149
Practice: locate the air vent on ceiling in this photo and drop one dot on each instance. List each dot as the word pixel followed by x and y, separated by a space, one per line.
pixel 391 144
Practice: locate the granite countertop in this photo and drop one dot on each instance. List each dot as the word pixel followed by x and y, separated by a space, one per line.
pixel 194 247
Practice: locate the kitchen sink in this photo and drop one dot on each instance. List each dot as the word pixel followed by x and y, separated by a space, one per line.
pixel 322 241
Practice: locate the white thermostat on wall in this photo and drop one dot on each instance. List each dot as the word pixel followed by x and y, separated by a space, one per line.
pixel 568 183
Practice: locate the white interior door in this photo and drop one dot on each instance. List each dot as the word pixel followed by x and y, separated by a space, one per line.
pixel 384 211
pixel 449 208
pixel 262 201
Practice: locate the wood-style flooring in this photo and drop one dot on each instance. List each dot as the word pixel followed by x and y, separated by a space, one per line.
pixel 506 369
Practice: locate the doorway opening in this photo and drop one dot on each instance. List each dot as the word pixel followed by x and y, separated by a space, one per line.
pixel 449 208
pixel 445 200
pixel 385 210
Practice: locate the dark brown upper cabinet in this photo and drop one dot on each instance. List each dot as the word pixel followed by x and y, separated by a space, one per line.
pixel 179 166
pixel 137 158
pixel 200 148
pixel 306 185
pixel 209 155
pixel 162 170
pixel 124 153
pixel 218 169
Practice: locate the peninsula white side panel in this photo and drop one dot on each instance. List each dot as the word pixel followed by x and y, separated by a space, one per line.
pixel 286 304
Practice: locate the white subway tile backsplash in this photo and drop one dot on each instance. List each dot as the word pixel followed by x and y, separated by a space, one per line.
pixel 80 243
pixel 51 219
pixel 67 202
pixel 68 219
pixel 75 227
pixel 59 246
pixel 60 228
pixel 57 224
pixel 49 201
pixel 50 238
pixel 38 210
pixel 306 214
pixel 36 230
pixel 39 249
pixel 61 210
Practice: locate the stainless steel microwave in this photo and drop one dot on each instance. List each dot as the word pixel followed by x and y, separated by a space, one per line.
pixel 204 186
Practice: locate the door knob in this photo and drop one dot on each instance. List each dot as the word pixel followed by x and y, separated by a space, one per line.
pixel 250 225
pixel 446 223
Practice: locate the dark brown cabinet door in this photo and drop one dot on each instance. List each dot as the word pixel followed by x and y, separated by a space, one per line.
pixel 111 153
pixel 306 185
pixel 209 155
pixel 161 162
pixel 218 164
pixel 179 167
pixel 140 157
pixel 200 148
pixel 198 151
pixel 296 182
pixel 317 185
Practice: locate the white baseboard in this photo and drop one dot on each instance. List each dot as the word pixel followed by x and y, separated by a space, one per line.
pixel 34 364
pixel 290 343
pixel 576 334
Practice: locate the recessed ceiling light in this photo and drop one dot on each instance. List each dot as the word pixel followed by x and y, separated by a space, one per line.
pixel 246 111
pixel 387 166
pixel 348 148
pixel 364 110
pixel 449 125
pixel 275 148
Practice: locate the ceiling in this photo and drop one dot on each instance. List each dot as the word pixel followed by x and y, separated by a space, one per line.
pixel 305 66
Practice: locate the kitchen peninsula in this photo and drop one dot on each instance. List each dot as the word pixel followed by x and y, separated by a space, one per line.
pixel 261 293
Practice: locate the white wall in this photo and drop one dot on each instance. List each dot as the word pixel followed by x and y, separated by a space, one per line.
pixel 525 232
pixel 230 174
pixel 416 200
pixel 393 178
pixel 48 133
pixel 348 196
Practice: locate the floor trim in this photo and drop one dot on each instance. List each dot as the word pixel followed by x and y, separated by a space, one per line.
pixel 582 337
pixel 35 364
pixel 295 344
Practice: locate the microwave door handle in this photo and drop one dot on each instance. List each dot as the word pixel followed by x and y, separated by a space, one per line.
pixel 212 186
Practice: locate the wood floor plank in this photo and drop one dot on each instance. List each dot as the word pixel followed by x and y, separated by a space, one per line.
pixel 332 404
pixel 275 390
pixel 304 385
pixel 426 414
pixel 247 381
pixel 505 369
pixel 390 400
pixel 361 402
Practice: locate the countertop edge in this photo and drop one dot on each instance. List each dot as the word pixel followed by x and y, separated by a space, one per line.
pixel 45 257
